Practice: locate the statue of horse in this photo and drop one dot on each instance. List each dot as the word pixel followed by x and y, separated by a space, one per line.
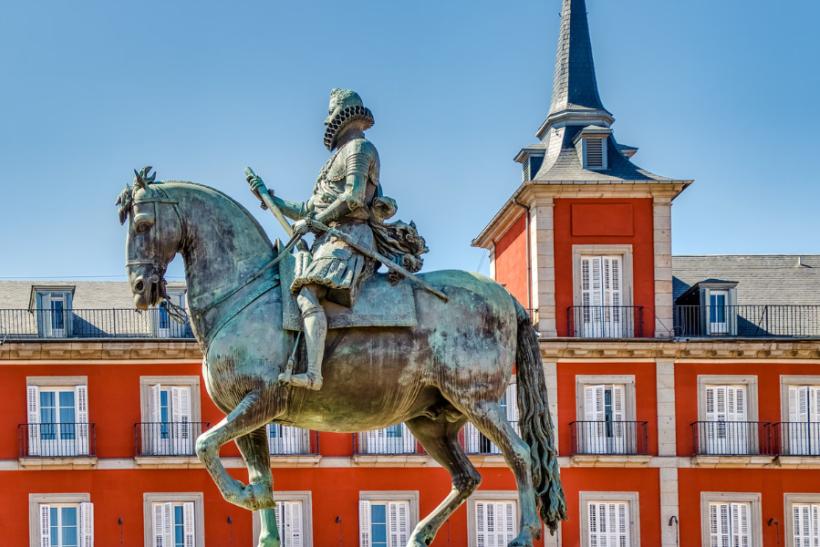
pixel 451 368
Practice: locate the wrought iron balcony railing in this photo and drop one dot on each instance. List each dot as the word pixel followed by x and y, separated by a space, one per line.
pixel 395 440
pixel 159 439
pixel 609 438
pixel 605 321
pixel 795 438
pixel 730 438
pixel 25 324
pixel 56 440
pixel 292 441
pixel 476 444
pixel 748 321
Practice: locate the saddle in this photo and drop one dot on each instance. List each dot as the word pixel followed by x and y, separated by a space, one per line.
pixel 380 303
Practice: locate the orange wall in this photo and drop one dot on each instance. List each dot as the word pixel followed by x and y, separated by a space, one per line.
pixel 512 262
pixel 771 483
pixel 605 221
pixel 646 408
pixel 642 481
pixel 113 402
pixel 768 392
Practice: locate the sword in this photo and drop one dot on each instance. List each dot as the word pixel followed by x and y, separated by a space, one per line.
pixel 375 255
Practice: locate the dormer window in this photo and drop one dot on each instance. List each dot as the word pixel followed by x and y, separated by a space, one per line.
pixel 52 306
pixel 591 144
pixel 531 158
pixel 532 165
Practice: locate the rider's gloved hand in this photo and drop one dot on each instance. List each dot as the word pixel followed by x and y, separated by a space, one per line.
pixel 301 227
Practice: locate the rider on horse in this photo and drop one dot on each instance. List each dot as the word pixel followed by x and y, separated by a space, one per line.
pixel 342 198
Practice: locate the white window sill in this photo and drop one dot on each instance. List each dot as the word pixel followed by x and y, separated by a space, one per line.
pixel 731 461
pixel 67 462
pixel 393 460
pixel 610 460
pixel 295 460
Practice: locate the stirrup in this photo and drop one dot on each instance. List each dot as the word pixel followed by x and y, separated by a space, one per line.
pixel 307 380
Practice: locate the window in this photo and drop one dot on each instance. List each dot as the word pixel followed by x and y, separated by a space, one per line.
pixel 293 519
pixel 284 440
pixel 609 519
pixel 61 520
pixel 731 519
pixel 727 409
pixel 173 519
pixel 605 407
pixel 395 439
pixel 603 293
pixel 492 518
pixel 170 415
pixel 532 165
pixel 53 312
pixel 164 325
pixel 800 431
pixel 387 519
pixel 57 417
pixel 802 520
pixel 595 153
pixel 718 312
pixel 476 442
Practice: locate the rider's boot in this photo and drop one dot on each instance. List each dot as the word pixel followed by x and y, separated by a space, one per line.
pixel 315 326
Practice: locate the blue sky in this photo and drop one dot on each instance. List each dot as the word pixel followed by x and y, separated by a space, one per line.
pixel 727 93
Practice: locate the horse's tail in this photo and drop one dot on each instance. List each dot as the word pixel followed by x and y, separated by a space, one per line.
pixel 536 424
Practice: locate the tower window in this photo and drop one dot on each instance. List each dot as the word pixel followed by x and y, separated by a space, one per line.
pixel 595 153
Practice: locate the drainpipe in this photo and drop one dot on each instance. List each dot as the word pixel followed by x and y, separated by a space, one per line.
pixel 529 256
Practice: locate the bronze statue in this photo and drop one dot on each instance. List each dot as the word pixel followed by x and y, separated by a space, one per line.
pixel 435 351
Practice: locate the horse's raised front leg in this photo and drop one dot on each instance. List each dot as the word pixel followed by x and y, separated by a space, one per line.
pixel 254 449
pixel 492 422
pixel 250 414
pixel 440 439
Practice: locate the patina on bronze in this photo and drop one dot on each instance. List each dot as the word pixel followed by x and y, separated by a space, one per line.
pixel 451 367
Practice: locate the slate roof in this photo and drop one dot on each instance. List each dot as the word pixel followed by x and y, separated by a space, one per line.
pixel 87 294
pixel 761 279
pixel 574 85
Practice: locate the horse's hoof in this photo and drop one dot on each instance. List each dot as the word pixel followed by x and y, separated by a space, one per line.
pixel 524 539
pixel 269 541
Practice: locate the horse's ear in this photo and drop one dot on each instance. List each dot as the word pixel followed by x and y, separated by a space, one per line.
pixel 144 177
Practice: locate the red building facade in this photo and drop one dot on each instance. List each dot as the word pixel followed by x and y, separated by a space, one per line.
pixel 685 391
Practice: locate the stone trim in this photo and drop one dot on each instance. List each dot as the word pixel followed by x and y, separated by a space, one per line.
pixel 149 498
pixel 584 497
pixel 662 241
pixel 489 495
pixel 304 496
pixel 90 350
pixel 56 381
pixel 542 262
pixel 551 380
pixel 670 508
pixel 665 385
pixel 34 501
pixel 753 498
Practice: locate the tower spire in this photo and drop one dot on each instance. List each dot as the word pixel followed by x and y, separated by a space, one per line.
pixel 575 87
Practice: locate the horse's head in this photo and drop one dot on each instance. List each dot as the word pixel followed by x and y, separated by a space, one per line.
pixel 155 234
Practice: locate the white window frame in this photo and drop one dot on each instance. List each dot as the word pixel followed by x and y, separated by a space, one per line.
pixel 790 500
pixel 386 496
pixel 582 381
pixel 713 380
pixel 78 384
pixel 630 498
pixel 490 496
pixel 755 521
pixel 719 327
pixel 789 381
pixel 473 437
pixel 36 500
pixel 150 498
pixel 303 497
pixel 625 252
pixel 148 383
pixel 290 441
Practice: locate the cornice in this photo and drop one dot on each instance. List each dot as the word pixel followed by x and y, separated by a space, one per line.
pixel 96 350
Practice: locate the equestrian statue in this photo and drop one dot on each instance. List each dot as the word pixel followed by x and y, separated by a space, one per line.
pixel 319 338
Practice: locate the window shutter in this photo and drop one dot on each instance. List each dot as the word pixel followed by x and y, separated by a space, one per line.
pixel 472 438
pixel 398 523
pixel 364 523
pixel 158 524
pixel 797 404
pixel 619 417
pixel 155 414
pixel 740 524
pixel 81 397
pixel 813 397
pixel 806 524
pixel 86 524
pixel 292 523
pixel 408 440
pixel 181 417
pixel 512 402
pixel 608 524
pixel 168 524
pixel 595 153
pixel 45 525
pixel 188 525
pixel 481 527
pixel 509 524
pixel 33 404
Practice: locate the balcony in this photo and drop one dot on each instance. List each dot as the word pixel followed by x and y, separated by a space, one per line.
pixel 167 439
pixel 476 444
pixel 747 321
pixel 292 445
pixel 57 444
pixel 609 438
pixel 795 439
pixel 388 446
pixel 25 324
pixel 730 438
pixel 605 321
